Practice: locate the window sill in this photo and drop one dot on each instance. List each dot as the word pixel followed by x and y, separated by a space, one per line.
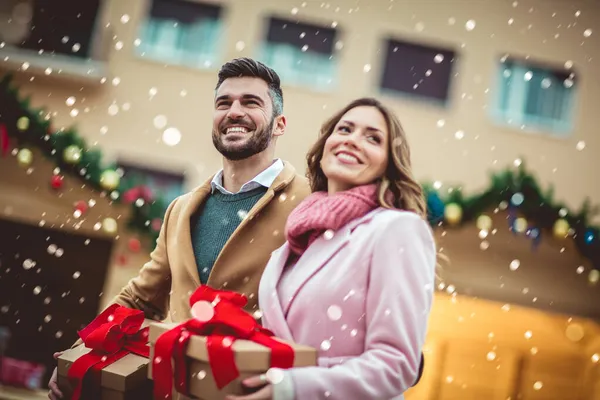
pixel 500 121
pixel 415 99
pixel 56 66
pixel 212 67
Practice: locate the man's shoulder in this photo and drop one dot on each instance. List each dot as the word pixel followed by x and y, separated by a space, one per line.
pixel 300 186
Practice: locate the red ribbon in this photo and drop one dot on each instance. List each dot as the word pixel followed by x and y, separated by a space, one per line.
pixel 4 140
pixel 137 192
pixel 229 323
pixel 111 336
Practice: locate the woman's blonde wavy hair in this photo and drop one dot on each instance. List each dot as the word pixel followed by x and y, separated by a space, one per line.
pixel 398 179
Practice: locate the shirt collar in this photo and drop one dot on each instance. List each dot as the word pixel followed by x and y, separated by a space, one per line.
pixel 264 179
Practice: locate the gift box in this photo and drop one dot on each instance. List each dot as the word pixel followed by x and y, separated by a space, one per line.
pixel 207 357
pixel 251 359
pixel 125 379
pixel 21 374
pixel 112 362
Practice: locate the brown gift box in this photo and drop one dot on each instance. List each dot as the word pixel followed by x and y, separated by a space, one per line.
pixel 125 379
pixel 251 359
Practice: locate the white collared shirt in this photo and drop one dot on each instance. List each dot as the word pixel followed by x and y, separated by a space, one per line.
pixel 265 179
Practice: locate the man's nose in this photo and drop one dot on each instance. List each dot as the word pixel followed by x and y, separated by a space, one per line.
pixel 236 111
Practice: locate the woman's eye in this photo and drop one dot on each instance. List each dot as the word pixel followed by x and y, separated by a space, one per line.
pixel 375 139
pixel 344 129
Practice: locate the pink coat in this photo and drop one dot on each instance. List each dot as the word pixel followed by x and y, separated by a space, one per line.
pixel 362 297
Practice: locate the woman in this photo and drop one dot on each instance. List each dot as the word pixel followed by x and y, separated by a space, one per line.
pixel 355 277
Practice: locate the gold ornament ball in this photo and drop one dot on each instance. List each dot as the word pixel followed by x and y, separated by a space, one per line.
pixel 594 276
pixel 453 213
pixel 484 222
pixel 575 332
pixel 23 123
pixel 109 225
pixel 72 154
pixel 109 180
pixel 561 228
pixel 520 225
pixel 25 157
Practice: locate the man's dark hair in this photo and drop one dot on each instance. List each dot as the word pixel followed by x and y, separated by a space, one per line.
pixel 247 67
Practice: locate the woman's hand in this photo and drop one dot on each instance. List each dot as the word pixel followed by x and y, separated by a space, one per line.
pixel 265 393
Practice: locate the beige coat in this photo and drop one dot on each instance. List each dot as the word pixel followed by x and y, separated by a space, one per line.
pixel 165 282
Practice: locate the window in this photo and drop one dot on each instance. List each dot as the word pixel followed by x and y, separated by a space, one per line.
pixel 417 70
pixel 50 26
pixel 182 32
pixel 301 53
pixel 535 96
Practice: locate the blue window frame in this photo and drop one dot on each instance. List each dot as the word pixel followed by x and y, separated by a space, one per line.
pixel 301 53
pixel 182 32
pixel 535 96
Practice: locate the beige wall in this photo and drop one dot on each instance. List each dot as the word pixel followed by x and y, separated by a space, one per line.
pixel 436 154
pixel 478 349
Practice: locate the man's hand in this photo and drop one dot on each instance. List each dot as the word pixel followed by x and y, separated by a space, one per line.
pixel 55 393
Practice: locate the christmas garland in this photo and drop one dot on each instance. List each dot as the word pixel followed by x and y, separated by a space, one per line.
pixel 30 127
pixel 531 211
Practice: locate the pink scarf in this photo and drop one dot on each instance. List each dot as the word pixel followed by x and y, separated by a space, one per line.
pixel 320 212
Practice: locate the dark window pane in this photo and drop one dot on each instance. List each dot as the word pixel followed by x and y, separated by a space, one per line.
pixel 184 11
pixel 319 39
pixel 54 20
pixel 417 69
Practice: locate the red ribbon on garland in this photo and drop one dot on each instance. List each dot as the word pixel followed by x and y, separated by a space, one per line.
pixel 229 323
pixel 138 192
pixel 4 140
pixel 111 336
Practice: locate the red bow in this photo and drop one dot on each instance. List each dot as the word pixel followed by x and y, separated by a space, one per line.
pixel 111 336
pixel 229 322
pixel 137 192
pixel 4 140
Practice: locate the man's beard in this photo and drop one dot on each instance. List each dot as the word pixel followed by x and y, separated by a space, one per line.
pixel 256 143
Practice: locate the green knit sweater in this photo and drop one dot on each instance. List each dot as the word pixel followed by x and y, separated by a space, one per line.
pixel 215 223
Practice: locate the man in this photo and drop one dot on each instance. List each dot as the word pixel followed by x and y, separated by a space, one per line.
pixel 222 233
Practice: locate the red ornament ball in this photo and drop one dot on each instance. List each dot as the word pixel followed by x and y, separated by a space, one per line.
pixel 81 206
pixel 156 224
pixel 57 182
pixel 134 245
pixel 122 260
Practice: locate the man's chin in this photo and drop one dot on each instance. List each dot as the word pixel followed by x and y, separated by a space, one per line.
pixel 235 153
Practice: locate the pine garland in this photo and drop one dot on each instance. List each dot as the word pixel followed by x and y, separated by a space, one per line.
pixel 146 214
pixel 539 208
pixel 517 190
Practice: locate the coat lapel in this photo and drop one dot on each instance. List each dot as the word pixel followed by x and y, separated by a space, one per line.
pixel 282 180
pixel 317 256
pixel 196 199
pixel 270 302
pixel 314 258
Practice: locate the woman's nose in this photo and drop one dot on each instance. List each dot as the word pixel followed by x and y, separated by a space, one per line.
pixel 352 139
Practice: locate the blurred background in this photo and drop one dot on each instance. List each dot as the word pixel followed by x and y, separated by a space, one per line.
pixel 106 113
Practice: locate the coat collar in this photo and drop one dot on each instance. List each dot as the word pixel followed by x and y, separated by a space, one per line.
pixel 316 256
pixel 195 200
